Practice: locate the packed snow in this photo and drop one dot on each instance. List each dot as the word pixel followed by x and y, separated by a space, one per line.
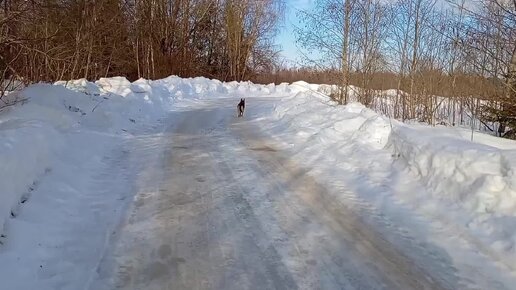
pixel 70 150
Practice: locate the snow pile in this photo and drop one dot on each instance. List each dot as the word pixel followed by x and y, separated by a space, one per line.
pixel 473 184
pixel 203 88
pixel 116 85
pixel 34 134
pixel 192 88
pixel 476 176
pixel 374 131
pixel 470 185
pixel 309 110
pixel 480 178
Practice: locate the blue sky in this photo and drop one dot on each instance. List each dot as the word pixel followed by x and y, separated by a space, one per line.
pixel 286 37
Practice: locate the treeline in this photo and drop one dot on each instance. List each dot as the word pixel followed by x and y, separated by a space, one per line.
pixel 48 40
pixel 425 49
pixel 448 85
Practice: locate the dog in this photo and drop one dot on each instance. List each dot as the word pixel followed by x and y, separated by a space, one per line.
pixel 241 108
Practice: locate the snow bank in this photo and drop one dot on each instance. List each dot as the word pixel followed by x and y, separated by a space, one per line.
pixel 477 177
pixel 476 182
pixel 192 88
pixel 469 184
pixel 34 134
pixel 480 178
pixel 203 88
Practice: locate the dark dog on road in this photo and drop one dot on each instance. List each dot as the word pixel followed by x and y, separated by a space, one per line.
pixel 241 108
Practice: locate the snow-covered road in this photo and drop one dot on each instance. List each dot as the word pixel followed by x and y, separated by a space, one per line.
pixel 158 185
pixel 224 207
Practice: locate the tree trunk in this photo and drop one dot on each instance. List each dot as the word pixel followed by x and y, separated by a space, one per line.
pixel 345 51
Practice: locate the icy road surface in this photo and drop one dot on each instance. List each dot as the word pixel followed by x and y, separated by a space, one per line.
pixel 225 207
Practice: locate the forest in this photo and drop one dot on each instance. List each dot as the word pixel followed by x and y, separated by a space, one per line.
pixel 455 58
